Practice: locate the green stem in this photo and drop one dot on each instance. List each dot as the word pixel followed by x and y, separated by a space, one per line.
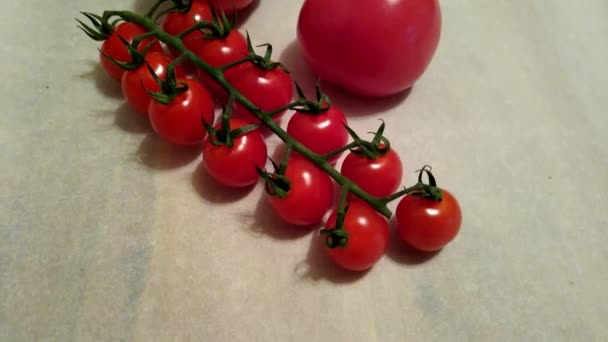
pixel 154 8
pixel 340 150
pixel 415 187
pixel 215 73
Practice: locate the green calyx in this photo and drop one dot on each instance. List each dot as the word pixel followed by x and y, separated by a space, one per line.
pixel 305 106
pixel 277 184
pixel 430 190
pixel 100 30
pixel 170 88
pixel 379 146
pixel 263 62
pixel 338 236
pixel 225 136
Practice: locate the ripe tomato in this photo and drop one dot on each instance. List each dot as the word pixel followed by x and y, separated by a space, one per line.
pixel 428 225
pixel 267 89
pixel 218 52
pixel 310 193
pixel 230 5
pixel 116 49
pixel 180 122
pixel 136 82
pixel 338 42
pixel 379 177
pixel 176 22
pixel 321 133
pixel 368 236
pixel 236 166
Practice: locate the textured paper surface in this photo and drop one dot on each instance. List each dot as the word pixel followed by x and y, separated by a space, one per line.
pixel 108 234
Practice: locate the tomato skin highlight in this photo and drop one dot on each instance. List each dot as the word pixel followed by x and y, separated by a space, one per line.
pixel 180 122
pixel 427 225
pixel 368 235
pixel 218 52
pixel 379 177
pixel 321 133
pixel 115 48
pixel 378 48
pixel 134 83
pixel 267 89
pixel 235 166
pixel 310 195
pixel 176 22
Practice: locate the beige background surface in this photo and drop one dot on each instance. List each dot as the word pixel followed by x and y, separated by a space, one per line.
pixel 108 234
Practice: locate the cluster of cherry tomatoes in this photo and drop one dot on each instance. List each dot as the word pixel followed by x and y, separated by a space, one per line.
pixel 180 102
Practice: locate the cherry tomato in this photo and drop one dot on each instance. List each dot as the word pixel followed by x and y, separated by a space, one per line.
pixel 229 6
pixel 428 225
pixel 235 166
pixel 267 89
pixel 310 194
pixel 379 177
pixel 180 122
pixel 176 22
pixel 218 52
pixel 339 44
pixel 136 82
pixel 368 235
pixel 321 133
pixel 116 49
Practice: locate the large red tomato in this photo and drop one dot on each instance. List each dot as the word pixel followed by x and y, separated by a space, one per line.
pixel 376 48
pixel 230 5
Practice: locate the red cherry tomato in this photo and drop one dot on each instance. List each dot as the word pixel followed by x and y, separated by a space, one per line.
pixel 338 42
pixel 379 177
pixel 176 22
pixel 229 6
pixel 428 225
pixel 321 133
pixel 310 194
pixel 267 89
pixel 235 166
pixel 136 82
pixel 180 122
pixel 218 52
pixel 368 235
pixel 116 49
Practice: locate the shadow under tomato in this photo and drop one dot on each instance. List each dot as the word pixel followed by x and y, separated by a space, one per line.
pixel 156 153
pixel 104 83
pixel 244 14
pixel 350 103
pixel 214 192
pixel 318 266
pixel 127 119
pixel 265 222
pixel 401 253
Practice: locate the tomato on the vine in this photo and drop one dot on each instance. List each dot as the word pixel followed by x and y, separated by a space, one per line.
pixel 114 47
pixel 180 121
pixel 230 5
pixel 428 225
pixel 217 52
pixel 338 42
pixel 309 195
pixel 368 236
pixel 379 176
pixel 177 22
pixel 136 83
pixel 269 89
pixel 320 132
pixel 235 165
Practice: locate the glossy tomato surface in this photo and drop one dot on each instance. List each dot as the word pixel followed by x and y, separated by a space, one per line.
pixel 115 48
pixel 136 83
pixel 428 225
pixel 235 166
pixel 180 122
pixel 310 194
pixel 368 235
pixel 218 52
pixel 379 177
pixel 267 89
pixel 176 22
pixel 229 6
pixel 373 47
pixel 321 133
